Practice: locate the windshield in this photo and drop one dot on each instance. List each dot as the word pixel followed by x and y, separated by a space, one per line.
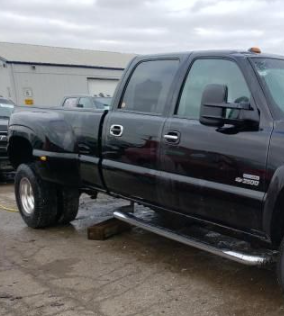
pixel 6 109
pixel 271 72
pixel 102 103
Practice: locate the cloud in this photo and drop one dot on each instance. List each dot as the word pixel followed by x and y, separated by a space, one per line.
pixel 145 26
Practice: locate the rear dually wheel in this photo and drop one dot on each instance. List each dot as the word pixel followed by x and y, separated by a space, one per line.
pixel 36 198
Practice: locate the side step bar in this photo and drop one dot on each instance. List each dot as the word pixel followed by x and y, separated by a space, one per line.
pixel 254 258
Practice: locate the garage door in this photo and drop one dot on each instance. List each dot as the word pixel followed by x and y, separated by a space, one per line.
pixel 99 87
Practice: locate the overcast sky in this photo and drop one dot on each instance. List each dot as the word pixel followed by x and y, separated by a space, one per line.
pixel 145 26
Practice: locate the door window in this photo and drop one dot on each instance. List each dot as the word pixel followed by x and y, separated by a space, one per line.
pixel 86 103
pixel 212 71
pixel 149 86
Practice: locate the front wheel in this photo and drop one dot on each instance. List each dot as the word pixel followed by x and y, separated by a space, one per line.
pixel 36 199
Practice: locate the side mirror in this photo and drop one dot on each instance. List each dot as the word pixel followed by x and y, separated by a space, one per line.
pixel 80 106
pixel 214 107
pixel 210 114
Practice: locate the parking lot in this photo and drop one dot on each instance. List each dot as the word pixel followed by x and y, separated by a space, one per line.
pixel 59 271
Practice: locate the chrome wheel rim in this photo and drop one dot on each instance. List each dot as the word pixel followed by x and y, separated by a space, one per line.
pixel 27 196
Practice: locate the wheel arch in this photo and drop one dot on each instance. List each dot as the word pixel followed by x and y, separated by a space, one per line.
pixel 20 151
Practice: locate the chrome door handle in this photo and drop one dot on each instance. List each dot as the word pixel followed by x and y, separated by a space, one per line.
pixel 116 130
pixel 171 137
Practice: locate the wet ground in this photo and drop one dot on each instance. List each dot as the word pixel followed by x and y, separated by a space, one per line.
pixel 59 271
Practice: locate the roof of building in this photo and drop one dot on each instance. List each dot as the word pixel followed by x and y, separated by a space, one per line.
pixel 36 54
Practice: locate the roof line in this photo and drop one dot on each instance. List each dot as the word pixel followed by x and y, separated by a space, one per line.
pixel 68 48
pixel 62 65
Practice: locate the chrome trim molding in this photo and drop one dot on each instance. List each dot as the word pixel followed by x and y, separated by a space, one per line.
pixel 39 153
pixel 195 182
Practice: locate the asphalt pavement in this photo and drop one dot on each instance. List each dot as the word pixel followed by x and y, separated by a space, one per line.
pixel 58 271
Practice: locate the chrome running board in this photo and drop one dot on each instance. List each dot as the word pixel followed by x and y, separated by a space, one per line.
pixel 257 257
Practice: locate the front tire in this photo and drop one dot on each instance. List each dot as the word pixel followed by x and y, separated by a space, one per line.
pixel 36 198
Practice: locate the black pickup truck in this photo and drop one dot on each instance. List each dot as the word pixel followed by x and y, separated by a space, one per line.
pixel 195 136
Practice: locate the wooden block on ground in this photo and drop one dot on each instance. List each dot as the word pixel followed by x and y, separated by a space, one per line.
pixel 107 228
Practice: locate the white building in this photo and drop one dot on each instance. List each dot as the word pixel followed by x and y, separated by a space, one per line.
pixel 42 75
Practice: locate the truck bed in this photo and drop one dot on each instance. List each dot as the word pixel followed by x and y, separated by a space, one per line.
pixel 63 135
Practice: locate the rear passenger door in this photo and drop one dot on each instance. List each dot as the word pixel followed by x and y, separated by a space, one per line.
pixel 207 171
pixel 132 130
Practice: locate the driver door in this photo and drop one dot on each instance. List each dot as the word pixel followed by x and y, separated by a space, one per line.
pixel 208 168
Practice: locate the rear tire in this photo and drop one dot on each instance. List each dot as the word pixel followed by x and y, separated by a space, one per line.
pixel 36 198
pixel 68 205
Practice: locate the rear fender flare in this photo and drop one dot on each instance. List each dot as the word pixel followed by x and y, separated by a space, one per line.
pixel 24 132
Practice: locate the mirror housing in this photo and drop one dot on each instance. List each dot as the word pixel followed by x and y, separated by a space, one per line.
pixel 214 108
pixel 80 106
pixel 210 114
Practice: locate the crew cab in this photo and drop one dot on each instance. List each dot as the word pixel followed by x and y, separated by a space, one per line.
pixel 6 109
pixel 194 136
